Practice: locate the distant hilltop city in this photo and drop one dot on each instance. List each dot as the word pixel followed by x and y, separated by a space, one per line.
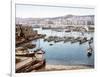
pixel 58 21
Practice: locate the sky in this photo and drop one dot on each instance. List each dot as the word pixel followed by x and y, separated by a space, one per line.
pixel 36 11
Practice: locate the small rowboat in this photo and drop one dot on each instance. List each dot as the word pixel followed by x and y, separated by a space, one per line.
pixel 25 54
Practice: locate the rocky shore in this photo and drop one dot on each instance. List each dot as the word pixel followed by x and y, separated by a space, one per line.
pixel 25 34
pixel 26 61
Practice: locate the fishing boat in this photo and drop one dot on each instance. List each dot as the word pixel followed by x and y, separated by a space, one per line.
pixel 22 51
pixel 30 46
pixel 25 54
pixel 50 44
pixel 78 39
pixel 89 52
pixel 83 40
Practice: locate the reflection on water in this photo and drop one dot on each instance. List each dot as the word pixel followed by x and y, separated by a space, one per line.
pixel 64 53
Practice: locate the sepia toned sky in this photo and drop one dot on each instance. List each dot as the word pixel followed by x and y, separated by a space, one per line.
pixel 34 11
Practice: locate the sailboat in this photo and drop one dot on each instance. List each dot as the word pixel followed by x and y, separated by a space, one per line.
pixel 89 51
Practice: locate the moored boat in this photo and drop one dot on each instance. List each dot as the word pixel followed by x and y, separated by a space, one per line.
pixel 89 52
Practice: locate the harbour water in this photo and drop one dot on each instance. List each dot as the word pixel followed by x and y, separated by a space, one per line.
pixel 61 53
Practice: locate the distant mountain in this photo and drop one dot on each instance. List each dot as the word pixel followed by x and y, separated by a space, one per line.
pixel 58 21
